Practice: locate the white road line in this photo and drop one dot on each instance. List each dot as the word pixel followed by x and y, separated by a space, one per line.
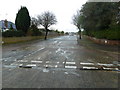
pixel 47 61
pixel 90 68
pixel 37 61
pixel 87 63
pixel 73 67
pixel 110 68
pixel 32 65
pixel 70 62
pixel 105 64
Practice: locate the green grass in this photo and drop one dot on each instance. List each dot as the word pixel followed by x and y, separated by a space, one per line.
pixel 11 40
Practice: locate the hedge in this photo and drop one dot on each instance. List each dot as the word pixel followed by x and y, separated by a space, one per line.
pixel 13 33
pixel 105 34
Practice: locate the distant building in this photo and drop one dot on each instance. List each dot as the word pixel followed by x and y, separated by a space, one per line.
pixel 6 25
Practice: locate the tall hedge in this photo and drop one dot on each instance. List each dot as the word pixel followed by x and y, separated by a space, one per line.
pixel 22 21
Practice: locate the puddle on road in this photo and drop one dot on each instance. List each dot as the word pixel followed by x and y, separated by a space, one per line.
pixel 27 66
pixel 34 52
pixel 16 64
pixel 23 61
pixel 39 58
pixel 55 42
pixel 7 58
pixel 58 62
pixel 45 70
pixel 74 73
pixel 9 66
pixel 14 50
pixel 116 62
pixel 71 73
pixel 66 72
pixel 58 50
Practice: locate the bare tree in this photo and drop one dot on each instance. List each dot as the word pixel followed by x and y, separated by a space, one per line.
pixel 77 21
pixel 46 20
pixel 34 21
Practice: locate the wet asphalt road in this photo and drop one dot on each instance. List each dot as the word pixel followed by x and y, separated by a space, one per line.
pixel 57 63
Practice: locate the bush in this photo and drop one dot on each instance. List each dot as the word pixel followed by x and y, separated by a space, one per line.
pixel 34 31
pixel 14 33
pixel 101 34
pixel 111 34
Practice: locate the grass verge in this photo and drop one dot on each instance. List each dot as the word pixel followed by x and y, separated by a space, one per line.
pixel 12 40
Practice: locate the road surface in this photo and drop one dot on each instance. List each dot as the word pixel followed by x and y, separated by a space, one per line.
pixel 58 63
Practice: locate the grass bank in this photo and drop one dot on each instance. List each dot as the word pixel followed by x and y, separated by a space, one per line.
pixel 11 40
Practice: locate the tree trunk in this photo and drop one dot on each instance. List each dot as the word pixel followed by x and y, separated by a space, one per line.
pixel 46 33
pixel 79 33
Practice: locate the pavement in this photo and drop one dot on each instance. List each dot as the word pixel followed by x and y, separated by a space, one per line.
pixel 105 48
pixel 59 62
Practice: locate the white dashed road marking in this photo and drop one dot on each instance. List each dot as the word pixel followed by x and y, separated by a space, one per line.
pixel 71 67
pixel 86 63
pixel 32 65
pixel 70 62
pixel 110 68
pixel 105 64
pixel 90 68
pixel 36 61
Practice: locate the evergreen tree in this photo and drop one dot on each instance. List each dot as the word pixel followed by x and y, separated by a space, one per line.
pixel 22 21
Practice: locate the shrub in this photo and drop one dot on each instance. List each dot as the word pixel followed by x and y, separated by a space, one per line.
pixel 36 33
pixel 14 33
pixel 111 34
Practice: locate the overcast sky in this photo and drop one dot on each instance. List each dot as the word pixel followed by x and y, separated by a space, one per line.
pixel 63 10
